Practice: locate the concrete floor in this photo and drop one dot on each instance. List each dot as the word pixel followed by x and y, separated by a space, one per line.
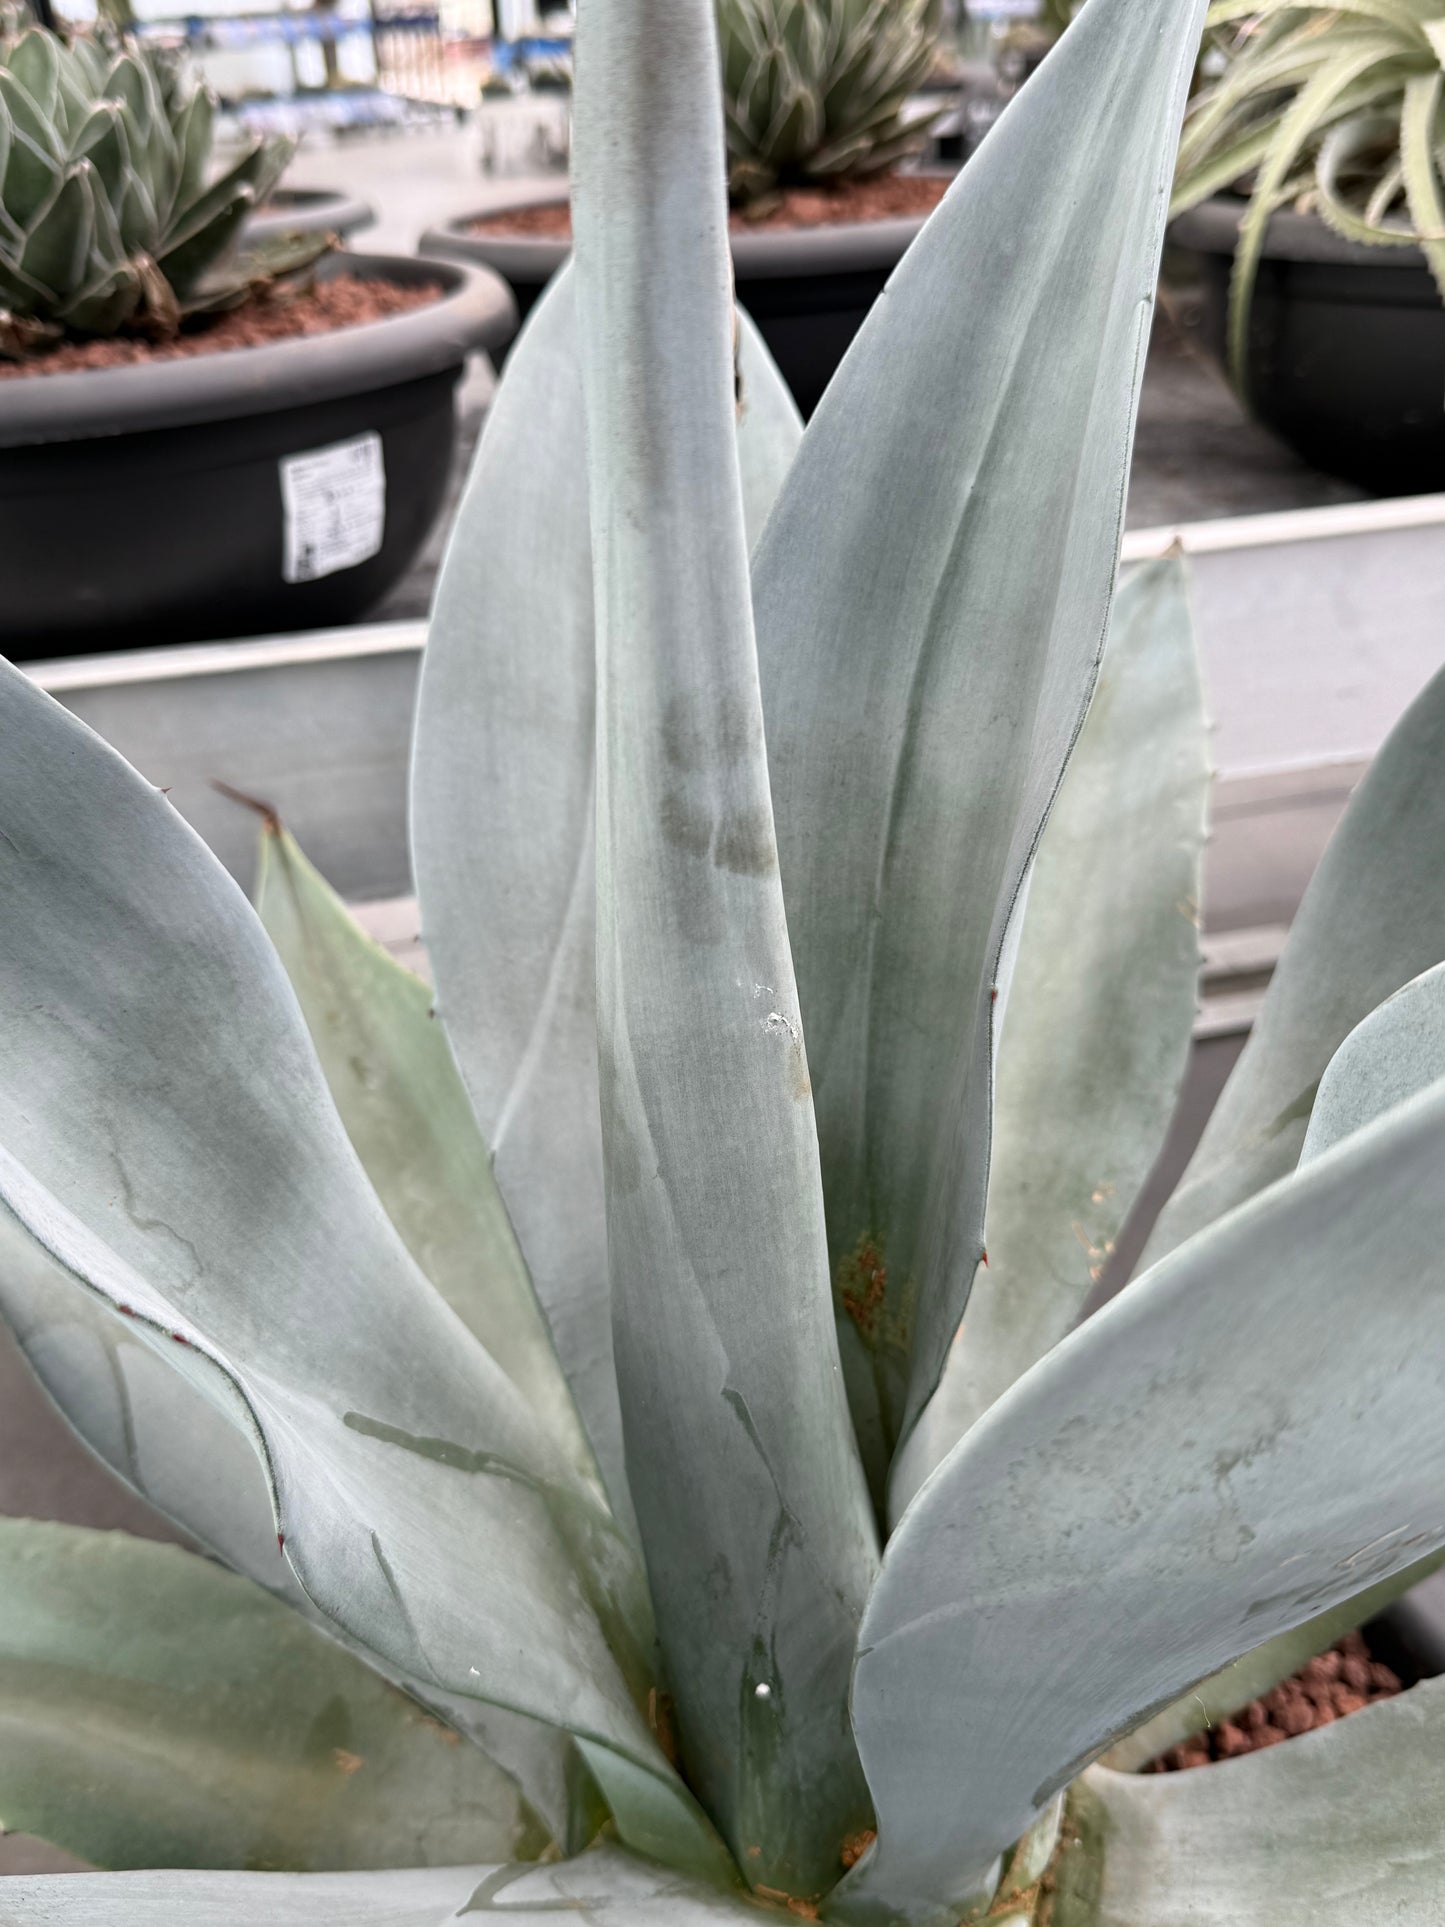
pixel 413 180
pixel 1197 455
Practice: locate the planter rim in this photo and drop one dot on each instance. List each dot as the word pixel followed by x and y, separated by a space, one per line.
pixel 475 310
pixel 307 208
pixel 1274 528
pixel 770 254
pixel 1213 228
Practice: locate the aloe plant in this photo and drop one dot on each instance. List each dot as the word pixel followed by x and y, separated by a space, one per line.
pixel 108 216
pixel 817 90
pixel 571 1363
pixel 1333 107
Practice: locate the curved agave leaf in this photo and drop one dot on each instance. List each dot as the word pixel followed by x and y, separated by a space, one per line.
pixel 1346 1823
pixel 1347 142
pixel 1398 1050
pixel 157 1711
pixel 932 592
pixel 35 164
pixel 1100 1009
pixel 1156 1497
pixel 57 242
pixel 193 137
pixel 502 819
pixel 418 1897
pixel 1314 104
pixel 1249 1678
pixel 192 1459
pixel 769 427
pixel 168 1138
pixel 406 1112
pixel 105 143
pixel 1372 918
pixel 35 62
pixel 196 1462
pixel 612 1887
pixel 605 1886
pixel 755 1519
pixel 806 86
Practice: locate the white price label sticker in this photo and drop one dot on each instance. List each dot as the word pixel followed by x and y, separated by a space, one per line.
pixel 334 503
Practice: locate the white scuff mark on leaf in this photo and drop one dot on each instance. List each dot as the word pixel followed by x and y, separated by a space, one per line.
pixel 775 1021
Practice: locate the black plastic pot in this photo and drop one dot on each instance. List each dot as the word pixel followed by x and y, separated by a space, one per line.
pixel 171 501
pixel 310 210
pixel 808 289
pixel 1346 358
pixel 1410 1635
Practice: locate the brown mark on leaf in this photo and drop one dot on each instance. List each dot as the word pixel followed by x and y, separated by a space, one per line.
pixel 803 1909
pixel 856 1845
pixel 659 1718
pixel 745 843
pixel 1091 1249
pixel 684 825
pixel 345 1762
pixel 776 1024
pixel 884 1320
pixel 270 817
pixel 863 1289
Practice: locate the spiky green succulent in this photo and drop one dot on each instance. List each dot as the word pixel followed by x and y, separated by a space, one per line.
pixel 1335 108
pixel 626 1521
pixel 109 217
pixel 816 90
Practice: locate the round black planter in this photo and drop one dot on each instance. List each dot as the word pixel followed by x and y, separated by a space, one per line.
pixel 310 210
pixel 167 502
pixel 808 289
pixel 1346 357
pixel 1410 1635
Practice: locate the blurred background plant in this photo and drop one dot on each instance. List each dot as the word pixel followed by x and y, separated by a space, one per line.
pixel 1023 42
pixel 818 90
pixel 109 218
pixel 1334 110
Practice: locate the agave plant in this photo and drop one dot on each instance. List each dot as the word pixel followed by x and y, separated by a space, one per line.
pixel 1332 106
pixel 572 1369
pixel 815 90
pixel 108 216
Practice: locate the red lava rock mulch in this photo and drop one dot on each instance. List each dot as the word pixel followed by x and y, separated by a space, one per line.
pixel 888 197
pixel 279 314
pixel 1339 1682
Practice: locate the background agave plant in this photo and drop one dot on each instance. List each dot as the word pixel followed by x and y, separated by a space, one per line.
pixel 816 89
pixel 578 1386
pixel 108 215
pixel 1334 106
